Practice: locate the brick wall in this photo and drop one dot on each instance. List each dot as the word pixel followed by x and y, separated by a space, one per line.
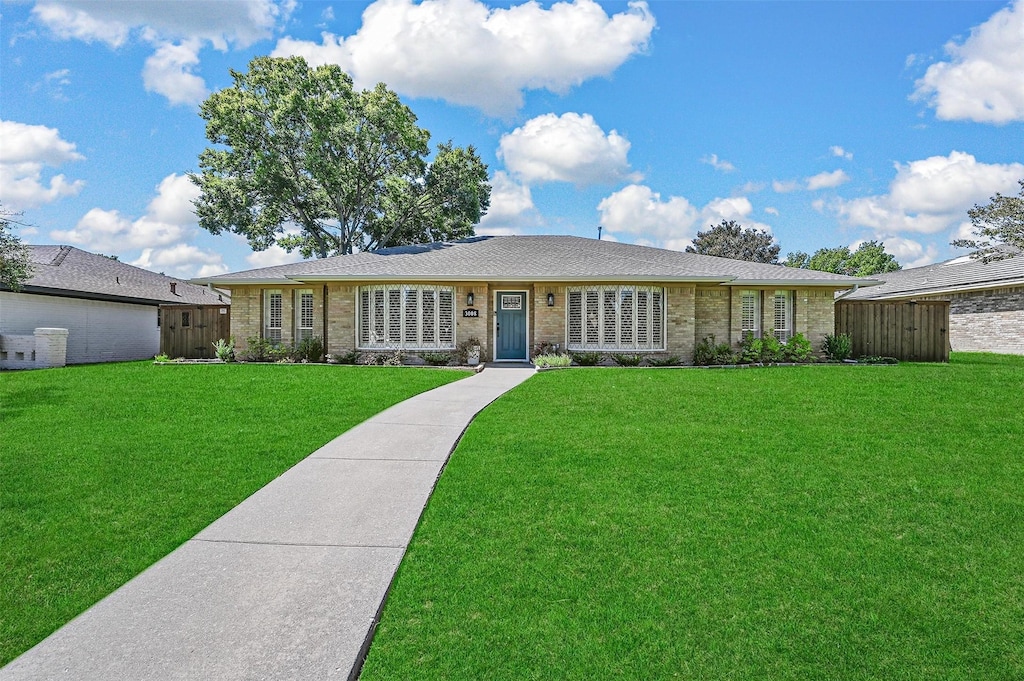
pixel 474 327
pixel 246 305
pixel 713 314
pixel 988 321
pixel 815 314
pixel 548 322
pixel 679 321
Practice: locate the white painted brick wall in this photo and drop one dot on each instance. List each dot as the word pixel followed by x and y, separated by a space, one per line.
pixel 98 331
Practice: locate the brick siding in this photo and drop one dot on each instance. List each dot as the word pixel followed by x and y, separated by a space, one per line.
pixel 987 321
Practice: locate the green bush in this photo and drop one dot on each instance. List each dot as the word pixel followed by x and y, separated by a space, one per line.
pixel 309 349
pixel 350 357
pixel 437 359
pixel 766 350
pixel 552 360
pixel 225 349
pixel 257 349
pixel 670 361
pixel 587 359
pixel 875 359
pixel 627 360
pixel 709 353
pixel 837 347
pixel 798 349
pixel 545 348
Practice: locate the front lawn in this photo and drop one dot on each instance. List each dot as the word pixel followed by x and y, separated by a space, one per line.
pixel 106 468
pixel 782 523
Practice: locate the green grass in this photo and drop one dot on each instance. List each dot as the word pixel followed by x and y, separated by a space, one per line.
pixel 106 468
pixel 831 522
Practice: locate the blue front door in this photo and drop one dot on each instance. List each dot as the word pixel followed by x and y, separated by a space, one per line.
pixel 510 332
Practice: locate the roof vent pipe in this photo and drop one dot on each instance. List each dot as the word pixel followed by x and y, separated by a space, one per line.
pixel 174 287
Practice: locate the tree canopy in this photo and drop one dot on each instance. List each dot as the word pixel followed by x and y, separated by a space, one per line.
pixel 998 228
pixel 730 240
pixel 305 161
pixel 15 264
pixel 869 258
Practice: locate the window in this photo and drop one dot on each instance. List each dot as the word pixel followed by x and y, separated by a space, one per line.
pixel 783 315
pixel 273 309
pixel 750 313
pixel 186 319
pixel 410 317
pixel 615 318
pixel 303 314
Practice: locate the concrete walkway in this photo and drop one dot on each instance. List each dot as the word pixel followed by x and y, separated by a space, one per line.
pixel 289 584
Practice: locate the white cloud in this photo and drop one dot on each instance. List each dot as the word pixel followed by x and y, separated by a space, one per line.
pixel 670 223
pixel 275 255
pixel 931 195
pixel 827 180
pixel 25 152
pixel 168 72
pixel 785 186
pixel 181 260
pixel 718 164
pixel 841 153
pixel 177 30
pixel 511 208
pixel 908 253
pixel 983 81
pixel 771 210
pixel 467 53
pixel 567 148
pixel 161 234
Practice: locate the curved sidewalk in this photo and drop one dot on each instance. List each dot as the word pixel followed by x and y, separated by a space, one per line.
pixel 288 584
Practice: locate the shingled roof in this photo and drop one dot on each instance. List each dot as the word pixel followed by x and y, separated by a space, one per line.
pixel 951 276
pixel 74 273
pixel 532 258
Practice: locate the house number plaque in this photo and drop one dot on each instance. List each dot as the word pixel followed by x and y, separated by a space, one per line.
pixel 471 312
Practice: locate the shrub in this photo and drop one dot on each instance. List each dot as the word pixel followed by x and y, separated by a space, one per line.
pixel 670 361
pixel 437 359
pixel 387 359
pixel 708 353
pixel 627 360
pixel 225 349
pixel 161 358
pixel 461 353
pixel 545 348
pixel 764 350
pixel 309 349
pixel 587 359
pixel 875 359
pixel 798 349
pixel 552 360
pixel 837 347
pixel 257 349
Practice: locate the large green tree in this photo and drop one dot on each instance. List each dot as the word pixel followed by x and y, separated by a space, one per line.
pixel 15 263
pixel 730 240
pixel 303 160
pixel 998 228
pixel 869 258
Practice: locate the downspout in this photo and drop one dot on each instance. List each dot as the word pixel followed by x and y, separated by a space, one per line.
pixel 848 293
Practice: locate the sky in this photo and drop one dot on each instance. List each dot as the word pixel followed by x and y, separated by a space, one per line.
pixel 826 123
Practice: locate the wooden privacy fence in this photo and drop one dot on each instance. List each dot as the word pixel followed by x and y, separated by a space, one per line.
pixel 191 330
pixel 907 330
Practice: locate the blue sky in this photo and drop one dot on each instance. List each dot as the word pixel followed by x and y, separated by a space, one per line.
pixel 827 123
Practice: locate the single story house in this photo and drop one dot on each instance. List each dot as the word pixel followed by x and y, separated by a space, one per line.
pixel 514 292
pixel 986 300
pixel 110 308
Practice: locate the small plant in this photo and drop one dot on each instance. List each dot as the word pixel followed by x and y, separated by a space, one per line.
pixel 225 349
pixel 310 349
pixel 437 359
pixel 798 349
pixel 875 359
pixel 627 360
pixel 161 358
pixel 394 359
pixel 552 360
pixel 350 357
pixel 466 348
pixel 545 348
pixel 280 354
pixel 766 350
pixel 837 347
pixel 587 359
pixel 257 349
pixel 670 361
pixel 709 353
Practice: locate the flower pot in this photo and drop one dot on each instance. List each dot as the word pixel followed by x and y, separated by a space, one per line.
pixel 473 356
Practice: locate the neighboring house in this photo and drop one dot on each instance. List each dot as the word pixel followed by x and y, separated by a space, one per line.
pixel 109 308
pixel 986 301
pixel 514 292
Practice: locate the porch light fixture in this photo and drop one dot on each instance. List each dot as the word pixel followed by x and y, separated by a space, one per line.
pixel 469 299
pixel 551 300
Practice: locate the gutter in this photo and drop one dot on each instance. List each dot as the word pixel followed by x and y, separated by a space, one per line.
pixel 848 293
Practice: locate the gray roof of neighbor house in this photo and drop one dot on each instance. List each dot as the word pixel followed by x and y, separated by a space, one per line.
pixel 951 276
pixel 532 258
pixel 74 273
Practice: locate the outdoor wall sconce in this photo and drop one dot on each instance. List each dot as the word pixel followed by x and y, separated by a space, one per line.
pixel 469 299
pixel 551 300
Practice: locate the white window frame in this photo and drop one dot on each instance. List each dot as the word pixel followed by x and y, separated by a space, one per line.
pixel 610 318
pixel 782 303
pixel 303 331
pixel 750 313
pixel 270 316
pixel 386 321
